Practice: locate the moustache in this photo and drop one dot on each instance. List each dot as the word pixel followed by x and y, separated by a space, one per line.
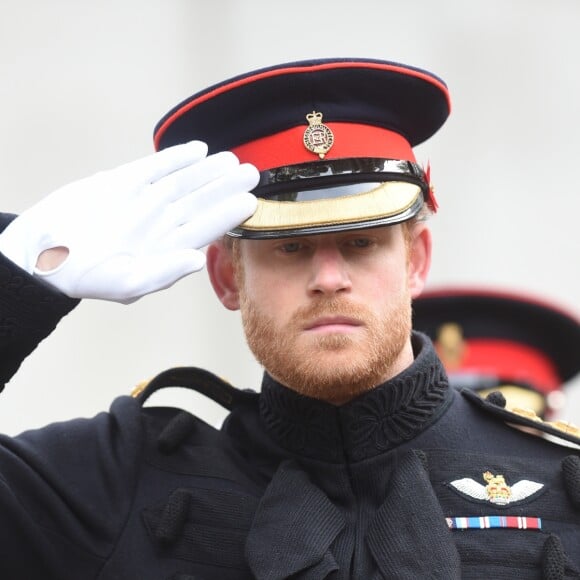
pixel 329 307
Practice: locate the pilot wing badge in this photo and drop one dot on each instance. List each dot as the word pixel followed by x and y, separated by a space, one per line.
pixel 497 491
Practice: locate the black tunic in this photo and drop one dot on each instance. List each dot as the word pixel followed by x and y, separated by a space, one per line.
pixel 290 487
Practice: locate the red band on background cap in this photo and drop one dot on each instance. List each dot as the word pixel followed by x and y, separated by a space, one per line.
pixel 509 361
pixel 350 140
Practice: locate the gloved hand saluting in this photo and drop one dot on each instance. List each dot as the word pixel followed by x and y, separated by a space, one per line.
pixel 135 229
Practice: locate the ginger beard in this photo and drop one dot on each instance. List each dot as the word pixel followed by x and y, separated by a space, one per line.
pixel 331 367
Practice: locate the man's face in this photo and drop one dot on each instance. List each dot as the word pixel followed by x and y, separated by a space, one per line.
pixel 328 315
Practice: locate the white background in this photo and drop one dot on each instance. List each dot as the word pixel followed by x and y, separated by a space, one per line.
pixel 83 84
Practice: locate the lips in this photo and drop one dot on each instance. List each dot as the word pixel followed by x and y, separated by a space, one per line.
pixel 332 322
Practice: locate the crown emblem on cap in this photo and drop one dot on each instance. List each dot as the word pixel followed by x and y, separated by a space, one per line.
pixel 318 138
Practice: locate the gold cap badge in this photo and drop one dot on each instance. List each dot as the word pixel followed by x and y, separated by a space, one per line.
pixel 318 138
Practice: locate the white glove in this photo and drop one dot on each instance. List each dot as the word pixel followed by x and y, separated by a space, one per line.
pixel 138 228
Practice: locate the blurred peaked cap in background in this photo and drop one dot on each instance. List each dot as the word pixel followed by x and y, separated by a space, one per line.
pixel 332 139
pixel 494 334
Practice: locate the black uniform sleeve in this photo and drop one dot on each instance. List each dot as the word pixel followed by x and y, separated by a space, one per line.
pixel 66 492
pixel 29 312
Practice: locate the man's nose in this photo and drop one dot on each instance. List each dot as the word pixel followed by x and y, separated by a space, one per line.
pixel 329 272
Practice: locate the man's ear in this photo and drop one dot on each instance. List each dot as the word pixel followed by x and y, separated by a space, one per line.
pixel 220 268
pixel 419 258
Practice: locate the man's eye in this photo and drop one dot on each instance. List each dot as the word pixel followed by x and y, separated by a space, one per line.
pixel 360 242
pixel 291 247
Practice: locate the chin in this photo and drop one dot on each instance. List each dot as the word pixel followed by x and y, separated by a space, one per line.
pixel 331 376
pixel 337 390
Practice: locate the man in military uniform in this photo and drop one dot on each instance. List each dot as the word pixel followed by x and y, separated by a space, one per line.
pixel 499 340
pixel 355 459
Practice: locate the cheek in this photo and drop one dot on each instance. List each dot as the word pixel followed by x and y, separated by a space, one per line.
pixel 269 294
pixel 388 279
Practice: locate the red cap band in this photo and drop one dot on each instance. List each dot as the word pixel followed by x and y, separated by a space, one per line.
pixel 350 140
pixel 509 360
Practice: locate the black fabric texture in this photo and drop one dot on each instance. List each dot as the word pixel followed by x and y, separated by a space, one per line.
pixel 29 312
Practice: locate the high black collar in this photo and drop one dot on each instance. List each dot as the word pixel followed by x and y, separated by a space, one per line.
pixel 375 422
